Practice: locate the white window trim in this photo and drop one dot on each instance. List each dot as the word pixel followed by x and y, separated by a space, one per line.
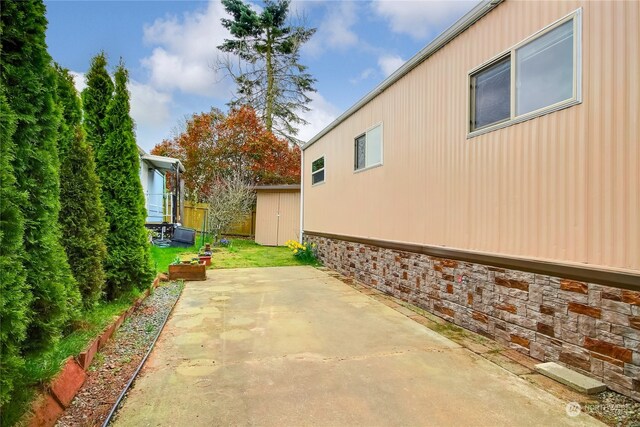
pixel 381 162
pixel 576 15
pixel 323 169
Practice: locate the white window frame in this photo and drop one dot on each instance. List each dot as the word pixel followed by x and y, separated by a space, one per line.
pixel 375 165
pixel 576 16
pixel 324 167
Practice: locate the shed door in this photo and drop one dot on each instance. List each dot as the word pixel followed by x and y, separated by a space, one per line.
pixel 289 218
pixel 277 217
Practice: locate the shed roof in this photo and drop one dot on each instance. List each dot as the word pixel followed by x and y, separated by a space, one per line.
pixel 480 10
pixel 283 187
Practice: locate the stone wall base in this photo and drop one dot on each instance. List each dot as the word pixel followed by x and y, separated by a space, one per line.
pixel 591 328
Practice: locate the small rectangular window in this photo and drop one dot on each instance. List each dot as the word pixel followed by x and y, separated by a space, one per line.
pixel 537 76
pixel 361 151
pixel 491 89
pixel 317 171
pixel 368 149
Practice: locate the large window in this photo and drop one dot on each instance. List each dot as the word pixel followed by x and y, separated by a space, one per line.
pixel 368 149
pixel 317 171
pixel 537 76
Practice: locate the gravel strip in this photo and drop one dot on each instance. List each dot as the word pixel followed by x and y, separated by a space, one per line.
pixel 615 409
pixel 114 365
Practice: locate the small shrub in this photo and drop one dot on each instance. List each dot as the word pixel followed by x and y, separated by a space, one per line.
pixel 224 242
pixel 303 251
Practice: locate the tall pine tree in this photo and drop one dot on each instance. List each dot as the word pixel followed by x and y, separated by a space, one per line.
pixel 270 77
pixel 14 296
pixel 29 81
pixel 95 100
pixel 81 214
pixel 128 261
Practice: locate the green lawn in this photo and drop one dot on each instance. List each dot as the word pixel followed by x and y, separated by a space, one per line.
pixel 162 257
pixel 40 367
pixel 241 253
pixel 247 253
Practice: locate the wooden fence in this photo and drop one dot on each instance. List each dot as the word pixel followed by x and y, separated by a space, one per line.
pixel 195 216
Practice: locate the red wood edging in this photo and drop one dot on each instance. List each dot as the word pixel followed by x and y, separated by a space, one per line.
pixel 59 393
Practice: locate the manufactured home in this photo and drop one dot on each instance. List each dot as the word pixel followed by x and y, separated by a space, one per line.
pixel 494 180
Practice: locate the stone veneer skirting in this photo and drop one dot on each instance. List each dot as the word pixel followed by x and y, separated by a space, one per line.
pixel 589 327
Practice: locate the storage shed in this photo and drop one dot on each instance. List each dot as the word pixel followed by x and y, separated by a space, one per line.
pixel 277 214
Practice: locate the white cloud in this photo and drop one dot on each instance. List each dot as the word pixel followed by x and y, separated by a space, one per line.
pixel 335 31
pixel 148 105
pixel 364 75
pixel 300 9
pixel 389 63
pixel 421 18
pixel 186 52
pixel 78 80
pixel 321 114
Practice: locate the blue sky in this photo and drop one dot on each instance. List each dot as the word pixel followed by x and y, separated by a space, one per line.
pixel 170 50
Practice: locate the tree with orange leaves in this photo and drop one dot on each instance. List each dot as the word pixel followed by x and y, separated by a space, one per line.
pixel 213 144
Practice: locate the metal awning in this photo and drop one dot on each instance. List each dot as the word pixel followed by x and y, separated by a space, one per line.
pixel 163 163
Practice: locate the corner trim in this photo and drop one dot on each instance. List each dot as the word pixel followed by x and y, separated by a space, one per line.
pixel 614 278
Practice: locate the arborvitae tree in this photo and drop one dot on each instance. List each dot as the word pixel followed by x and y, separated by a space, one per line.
pixel 95 100
pixel 128 261
pixel 14 295
pixel 270 77
pixel 29 81
pixel 81 213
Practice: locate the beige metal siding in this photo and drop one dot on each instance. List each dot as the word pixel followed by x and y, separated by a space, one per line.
pixel 277 217
pixel 564 186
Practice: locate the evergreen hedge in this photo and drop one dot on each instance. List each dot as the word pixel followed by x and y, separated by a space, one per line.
pixel 129 260
pixel 29 82
pixel 82 216
pixel 95 101
pixel 14 295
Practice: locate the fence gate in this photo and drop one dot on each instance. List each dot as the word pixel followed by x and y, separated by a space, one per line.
pixel 277 215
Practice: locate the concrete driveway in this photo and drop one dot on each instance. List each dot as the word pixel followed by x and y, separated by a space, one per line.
pixel 292 346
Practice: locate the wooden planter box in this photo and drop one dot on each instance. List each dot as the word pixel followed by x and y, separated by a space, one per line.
pixel 187 271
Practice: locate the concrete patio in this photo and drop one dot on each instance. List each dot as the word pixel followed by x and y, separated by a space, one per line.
pixel 293 346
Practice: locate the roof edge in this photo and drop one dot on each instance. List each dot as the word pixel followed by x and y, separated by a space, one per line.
pixel 285 187
pixel 152 157
pixel 470 18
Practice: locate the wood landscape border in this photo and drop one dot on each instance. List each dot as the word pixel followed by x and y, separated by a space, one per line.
pixel 60 391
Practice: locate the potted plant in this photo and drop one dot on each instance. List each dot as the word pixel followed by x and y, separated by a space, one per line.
pixel 204 255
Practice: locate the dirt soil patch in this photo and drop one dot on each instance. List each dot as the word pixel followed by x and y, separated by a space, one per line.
pixel 117 361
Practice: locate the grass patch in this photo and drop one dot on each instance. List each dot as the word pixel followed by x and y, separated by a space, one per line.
pixel 240 253
pixel 162 257
pixel 247 253
pixel 42 366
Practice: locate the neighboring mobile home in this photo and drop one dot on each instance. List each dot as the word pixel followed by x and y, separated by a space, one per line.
pixel 494 180
pixel 163 207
